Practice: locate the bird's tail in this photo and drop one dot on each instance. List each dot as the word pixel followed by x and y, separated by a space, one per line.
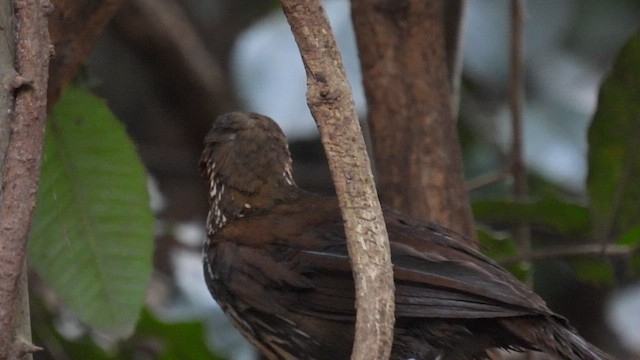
pixel 554 336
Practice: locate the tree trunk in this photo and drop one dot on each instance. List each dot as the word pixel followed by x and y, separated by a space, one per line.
pixel 406 76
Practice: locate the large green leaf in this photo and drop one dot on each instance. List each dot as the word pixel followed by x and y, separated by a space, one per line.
pixel 614 147
pixel 92 236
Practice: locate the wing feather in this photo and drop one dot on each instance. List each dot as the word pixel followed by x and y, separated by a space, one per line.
pixel 437 274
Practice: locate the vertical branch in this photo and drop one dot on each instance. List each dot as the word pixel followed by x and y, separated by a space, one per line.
pixel 453 31
pixel 522 231
pixel 330 101
pixel 22 163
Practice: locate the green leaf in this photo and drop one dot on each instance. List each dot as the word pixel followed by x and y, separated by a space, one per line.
pixel 44 326
pixel 631 238
pixel 153 339
pixel 565 217
pixel 614 147
pixel 92 236
pixel 498 246
pixel 177 341
pixel 592 270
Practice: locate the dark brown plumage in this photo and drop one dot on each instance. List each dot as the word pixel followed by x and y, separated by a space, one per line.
pixel 276 261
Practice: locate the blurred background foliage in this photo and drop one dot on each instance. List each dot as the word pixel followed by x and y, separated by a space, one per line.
pixel 166 68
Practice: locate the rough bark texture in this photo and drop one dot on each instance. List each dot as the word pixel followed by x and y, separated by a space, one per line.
pixel 7 74
pixel 22 161
pixel 75 26
pixel 332 106
pixel 406 80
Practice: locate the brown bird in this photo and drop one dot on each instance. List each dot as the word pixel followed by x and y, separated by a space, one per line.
pixel 276 261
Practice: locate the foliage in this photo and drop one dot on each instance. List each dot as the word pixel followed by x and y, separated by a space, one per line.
pixel 153 339
pixel 91 239
pixel 92 235
pixel 178 341
pixel 614 164
pixel 613 210
pixel 497 245
pixel 549 212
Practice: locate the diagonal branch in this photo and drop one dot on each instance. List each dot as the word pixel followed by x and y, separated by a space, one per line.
pixel 75 27
pixel 330 101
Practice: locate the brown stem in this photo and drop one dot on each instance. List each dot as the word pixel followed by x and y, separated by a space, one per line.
pixel 453 31
pixel 330 101
pixel 516 97
pixel 406 80
pixel 522 231
pixel 22 161
pixel 75 25
pixel 489 178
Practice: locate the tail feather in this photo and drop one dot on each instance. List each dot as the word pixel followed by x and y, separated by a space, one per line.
pixel 554 336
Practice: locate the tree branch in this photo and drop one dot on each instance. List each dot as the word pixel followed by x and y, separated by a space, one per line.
pixel 75 25
pixel 332 106
pixel 22 161
pixel 522 231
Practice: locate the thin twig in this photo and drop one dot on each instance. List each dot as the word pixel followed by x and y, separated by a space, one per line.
pixel 22 162
pixel 487 179
pixel 522 231
pixel 330 101
pixel 454 11
pixel 551 253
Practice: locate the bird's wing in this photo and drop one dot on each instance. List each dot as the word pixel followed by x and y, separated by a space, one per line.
pixel 304 267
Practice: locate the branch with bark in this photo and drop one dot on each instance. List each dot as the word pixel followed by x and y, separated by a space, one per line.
pixel 75 25
pixel 21 171
pixel 330 101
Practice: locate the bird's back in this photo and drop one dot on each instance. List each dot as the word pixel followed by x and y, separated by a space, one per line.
pixel 287 270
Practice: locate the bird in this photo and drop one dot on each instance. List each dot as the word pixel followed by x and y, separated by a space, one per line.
pixel 275 259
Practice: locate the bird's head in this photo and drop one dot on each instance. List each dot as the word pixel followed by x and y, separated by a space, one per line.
pixel 247 163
